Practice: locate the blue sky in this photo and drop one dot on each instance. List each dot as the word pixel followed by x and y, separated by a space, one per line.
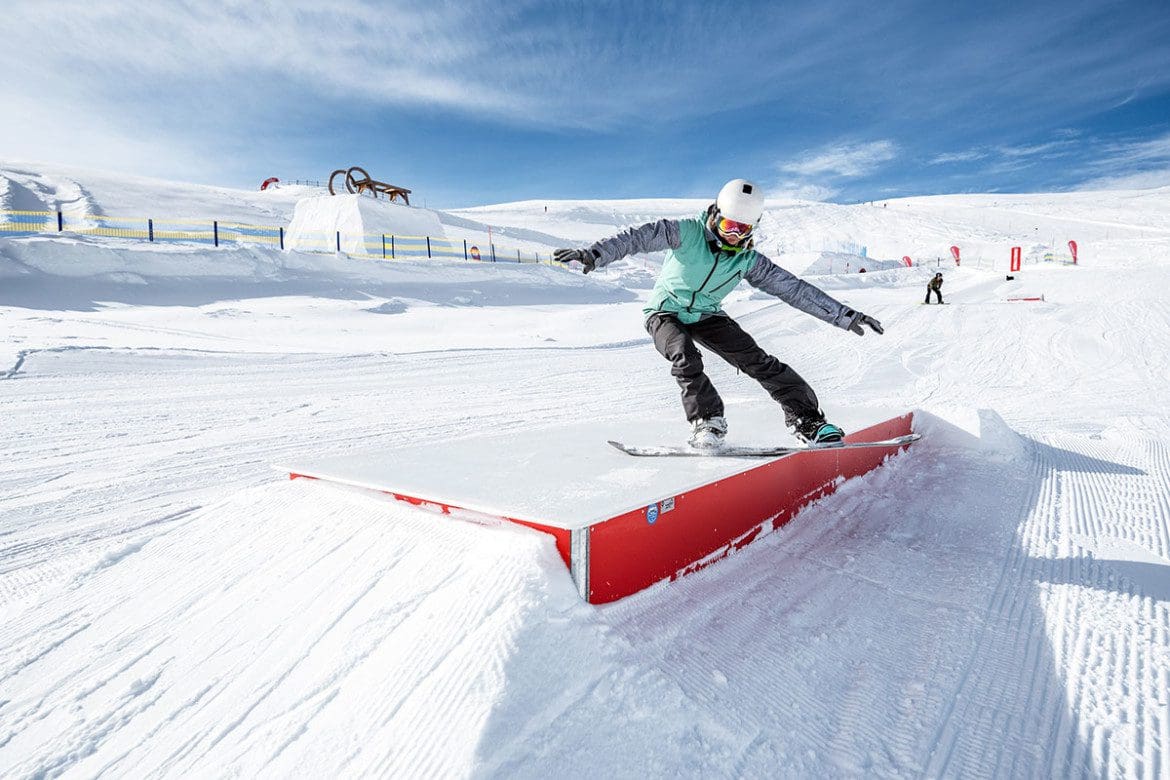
pixel 480 102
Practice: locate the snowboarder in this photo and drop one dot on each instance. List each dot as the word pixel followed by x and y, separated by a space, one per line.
pixel 935 286
pixel 706 256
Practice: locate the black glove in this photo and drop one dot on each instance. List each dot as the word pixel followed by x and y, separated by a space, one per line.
pixel 586 257
pixel 865 319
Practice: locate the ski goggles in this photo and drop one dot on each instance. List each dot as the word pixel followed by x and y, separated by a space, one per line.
pixel 729 227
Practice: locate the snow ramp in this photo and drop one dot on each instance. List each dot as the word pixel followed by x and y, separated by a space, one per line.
pixel 281 632
pixel 620 524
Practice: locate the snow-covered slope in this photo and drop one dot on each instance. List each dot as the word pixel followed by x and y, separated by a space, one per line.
pixel 36 186
pixel 996 602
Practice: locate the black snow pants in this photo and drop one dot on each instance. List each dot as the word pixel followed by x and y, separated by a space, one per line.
pixel 936 291
pixel 723 336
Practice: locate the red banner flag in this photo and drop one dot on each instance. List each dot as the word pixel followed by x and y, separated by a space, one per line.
pixel 955 254
pixel 1072 247
pixel 907 261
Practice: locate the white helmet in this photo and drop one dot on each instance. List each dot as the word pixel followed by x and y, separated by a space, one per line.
pixel 741 200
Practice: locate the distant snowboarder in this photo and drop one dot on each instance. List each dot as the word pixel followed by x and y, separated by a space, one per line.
pixel 706 256
pixel 934 286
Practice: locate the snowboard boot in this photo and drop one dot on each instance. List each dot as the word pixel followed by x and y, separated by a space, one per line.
pixel 815 430
pixel 708 434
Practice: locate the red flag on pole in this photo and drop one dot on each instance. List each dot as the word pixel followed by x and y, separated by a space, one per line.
pixel 955 254
pixel 906 259
pixel 1072 247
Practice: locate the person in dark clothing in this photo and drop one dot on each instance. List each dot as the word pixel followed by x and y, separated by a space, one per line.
pixel 706 257
pixel 934 286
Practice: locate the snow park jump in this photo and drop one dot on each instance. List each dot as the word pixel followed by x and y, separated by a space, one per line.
pixel 616 535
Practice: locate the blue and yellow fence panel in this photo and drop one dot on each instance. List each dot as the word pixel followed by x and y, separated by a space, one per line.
pixel 15 223
pixel 27 222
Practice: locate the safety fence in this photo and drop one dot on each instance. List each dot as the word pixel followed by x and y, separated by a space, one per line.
pixel 215 232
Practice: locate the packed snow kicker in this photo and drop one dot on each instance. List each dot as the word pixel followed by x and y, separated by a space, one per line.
pixel 994 602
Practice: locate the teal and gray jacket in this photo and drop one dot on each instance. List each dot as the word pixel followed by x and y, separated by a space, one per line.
pixel 698 274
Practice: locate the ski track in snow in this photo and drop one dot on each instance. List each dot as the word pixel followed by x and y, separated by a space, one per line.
pixel 993 602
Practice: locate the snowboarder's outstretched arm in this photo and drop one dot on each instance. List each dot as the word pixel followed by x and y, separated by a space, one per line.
pixel 651 237
pixel 774 280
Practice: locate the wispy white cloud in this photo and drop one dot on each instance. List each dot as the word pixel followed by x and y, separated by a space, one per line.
pixel 1154 150
pixel 1145 180
pixel 59 129
pixel 219 77
pixel 1008 157
pixel 175 88
pixel 406 53
pixel 797 190
pixel 819 174
pixel 1047 150
pixel 1072 158
pixel 954 157
pixel 523 61
pixel 1005 159
pixel 1130 165
pixel 842 160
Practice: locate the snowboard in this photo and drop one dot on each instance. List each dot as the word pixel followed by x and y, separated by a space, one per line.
pixel 742 451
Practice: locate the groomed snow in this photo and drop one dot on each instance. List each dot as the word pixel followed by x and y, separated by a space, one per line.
pixel 995 602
